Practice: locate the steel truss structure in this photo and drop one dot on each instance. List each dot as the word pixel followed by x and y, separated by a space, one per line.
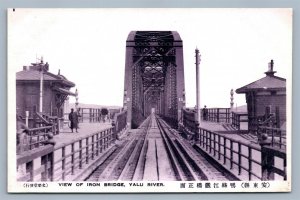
pixel 154 76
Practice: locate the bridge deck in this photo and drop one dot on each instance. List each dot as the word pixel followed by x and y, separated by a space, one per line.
pixel 226 129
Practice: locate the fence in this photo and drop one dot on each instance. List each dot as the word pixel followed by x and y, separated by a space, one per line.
pixel 247 160
pixel 47 163
pixel 43 119
pixel 65 161
pixel 91 115
pixel 277 136
pixel 216 114
pixel 35 138
pixel 238 118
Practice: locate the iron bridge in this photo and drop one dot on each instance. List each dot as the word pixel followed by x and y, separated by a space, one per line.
pixel 154 76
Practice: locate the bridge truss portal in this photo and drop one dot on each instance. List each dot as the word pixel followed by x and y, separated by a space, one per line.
pixel 154 76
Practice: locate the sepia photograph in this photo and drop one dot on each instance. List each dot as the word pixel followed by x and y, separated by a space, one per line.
pixel 161 100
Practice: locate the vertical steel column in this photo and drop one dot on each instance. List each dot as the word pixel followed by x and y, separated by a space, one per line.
pixel 128 76
pixel 179 73
pixel 198 85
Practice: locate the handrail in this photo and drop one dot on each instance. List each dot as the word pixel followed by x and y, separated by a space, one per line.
pixel 35 138
pixel 278 136
pixel 68 160
pixel 235 154
pixel 216 114
pixel 236 119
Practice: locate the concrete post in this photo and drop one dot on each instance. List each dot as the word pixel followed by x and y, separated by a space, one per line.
pixel 27 117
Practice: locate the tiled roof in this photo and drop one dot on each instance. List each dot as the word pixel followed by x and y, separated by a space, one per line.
pixel 265 83
pixel 64 91
pixel 34 75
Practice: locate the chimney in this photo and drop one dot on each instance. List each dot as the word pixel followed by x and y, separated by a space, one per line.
pixel 270 71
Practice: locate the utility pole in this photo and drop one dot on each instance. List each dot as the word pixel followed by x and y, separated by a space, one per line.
pixel 198 110
pixel 41 65
pixel 231 100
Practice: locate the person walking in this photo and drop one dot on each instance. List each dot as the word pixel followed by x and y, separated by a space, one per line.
pixel 205 113
pixel 73 117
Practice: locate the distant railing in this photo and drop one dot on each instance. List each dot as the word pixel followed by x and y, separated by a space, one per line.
pixel 238 118
pixel 240 157
pixel 219 115
pixel 90 115
pixel 216 114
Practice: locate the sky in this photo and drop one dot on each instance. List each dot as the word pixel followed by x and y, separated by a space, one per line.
pixel 88 46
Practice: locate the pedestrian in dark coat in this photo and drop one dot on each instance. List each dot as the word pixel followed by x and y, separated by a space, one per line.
pixel 73 117
pixel 205 113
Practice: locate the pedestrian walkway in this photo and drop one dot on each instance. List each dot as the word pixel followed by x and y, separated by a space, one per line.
pixel 85 129
pixel 222 129
pixel 212 126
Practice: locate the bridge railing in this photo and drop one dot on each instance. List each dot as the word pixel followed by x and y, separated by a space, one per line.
pixel 86 115
pixel 65 161
pixel 238 118
pixel 75 155
pixel 35 138
pixel 247 160
pixel 216 114
pixel 277 136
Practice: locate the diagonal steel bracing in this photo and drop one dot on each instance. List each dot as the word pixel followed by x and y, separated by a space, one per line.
pixel 154 76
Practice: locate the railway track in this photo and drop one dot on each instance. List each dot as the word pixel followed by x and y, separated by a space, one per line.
pixel 155 153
